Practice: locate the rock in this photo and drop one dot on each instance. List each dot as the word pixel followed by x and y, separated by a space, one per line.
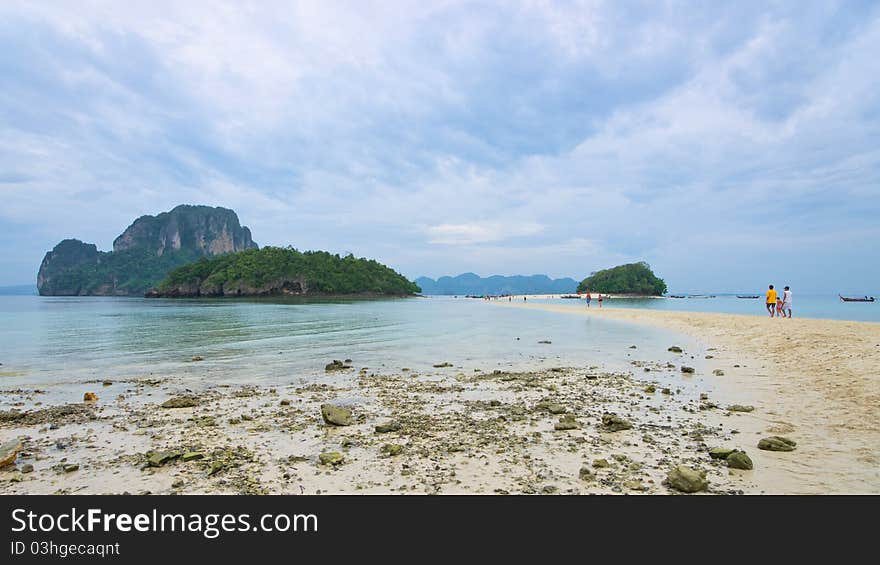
pixel 442 365
pixel 70 467
pixel 720 452
pixel 704 396
pixel 739 460
pixel 285 402
pixel 586 474
pixel 685 479
pixel 181 402
pixel 633 347
pixel 675 349
pixel 777 443
pixel 333 458
pixel 90 397
pixel 387 427
pixel 650 389
pixel 336 415
pixel 740 408
pixel 545 341
pixel 159 458
pixel 392 449
pixel 614 423
pixel 336 365
pixel 600 463
pixel 685 369
pixel 178 483
pixel 635 484
pixel 666 391
pixel 567 422
pixel 197 358
pixel 27 468
pixel 192 456
pixel 455 448
pixel 718 373
pixel 9 451
pixel 107 383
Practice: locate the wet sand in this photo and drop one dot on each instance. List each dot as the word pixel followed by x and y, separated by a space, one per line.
pixel 816 381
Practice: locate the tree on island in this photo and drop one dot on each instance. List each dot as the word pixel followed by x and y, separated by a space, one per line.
pixel 634 278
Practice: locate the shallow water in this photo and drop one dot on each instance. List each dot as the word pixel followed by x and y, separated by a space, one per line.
pixel 50 341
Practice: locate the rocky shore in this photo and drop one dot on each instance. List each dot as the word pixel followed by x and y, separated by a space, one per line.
pixel 565 430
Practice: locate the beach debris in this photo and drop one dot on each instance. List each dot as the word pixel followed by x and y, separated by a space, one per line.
pixel 90 397
pixel 197 358
pixel 9 451
pixel 686 369
pixel 675 349
pixel 70 467
pixel 686 479
pixel 777 443
pixel 332 458
pixel 26 468
pixel 718 373
pixel 739 460
pixel 336 365
pixel 740 408
pixel 336 415
pixel 614 423
pixel 442 365
pixel 388 427
pixel 720 452
pixel 181 402
pixel 392 449
pixel 566 422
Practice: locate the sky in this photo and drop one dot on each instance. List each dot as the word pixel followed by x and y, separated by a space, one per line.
pixel 728 144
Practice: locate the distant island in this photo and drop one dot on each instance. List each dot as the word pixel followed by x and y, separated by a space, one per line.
pixel 470 283
pixel 633 278
pixel 277 271
pixel 150 248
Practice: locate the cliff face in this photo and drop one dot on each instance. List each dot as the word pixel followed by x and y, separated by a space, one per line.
pixel 146 251
pixel 206 230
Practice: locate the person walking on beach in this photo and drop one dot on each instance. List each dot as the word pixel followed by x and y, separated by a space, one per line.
pixel 771 301
pixel 589 299
pixel 786 303
pixel 600 300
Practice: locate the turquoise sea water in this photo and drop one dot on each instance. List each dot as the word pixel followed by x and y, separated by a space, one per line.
pixel 53 340
pixel 825 306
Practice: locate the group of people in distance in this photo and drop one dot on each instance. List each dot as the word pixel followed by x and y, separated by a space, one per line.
pixel 779 306
pixel 589 298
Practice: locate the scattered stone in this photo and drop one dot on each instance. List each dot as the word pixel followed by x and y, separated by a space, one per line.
pixel 90 397
pixel 107 383
pixel 675 349
pixel 685 479
pixel 197 358
pixel 387 427
pixel 9 451
pixel 181 402
pixel 332 458
pixel 710 357
pixel 650 389
pixel 685 369
pixel 566 422
pixel 740 408
pixel 720 452
pixel 718 373
pixel 392 449
pixel 336 365
pixel 545 341
pixel 178 483
pixel 27 468
pixel 614 423
pixel 666 391
pixel 70 467
pixel 739 460
pixel 550 489
pixel 455 448
pixel 336 415
pixel 635 484
pixel 586 474
pixel 600 463
pixel 443 365
pixel 159 458
pixel 704 396
pixel 192 456
pixel 285 402
pixel 633 347
pixel 777 443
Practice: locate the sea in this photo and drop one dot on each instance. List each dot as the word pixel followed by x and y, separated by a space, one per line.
pixel 50 342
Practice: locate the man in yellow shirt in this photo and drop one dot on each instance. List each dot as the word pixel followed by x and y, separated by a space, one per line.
pixel 771 301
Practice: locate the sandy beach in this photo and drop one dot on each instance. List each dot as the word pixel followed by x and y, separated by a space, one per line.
pixel 813 380
pixel 460 428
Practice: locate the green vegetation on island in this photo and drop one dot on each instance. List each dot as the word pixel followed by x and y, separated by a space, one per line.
pixel 277 271
pixel 634 278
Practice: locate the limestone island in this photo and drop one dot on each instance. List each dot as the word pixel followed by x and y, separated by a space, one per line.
pixel 633 279
pixel 283 271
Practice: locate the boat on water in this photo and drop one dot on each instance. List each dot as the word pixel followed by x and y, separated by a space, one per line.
pixel 853 299
pixel 752 296
pixel 575 296
pixel 676 296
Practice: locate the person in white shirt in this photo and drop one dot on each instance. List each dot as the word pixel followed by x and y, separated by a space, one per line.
pixel 786 303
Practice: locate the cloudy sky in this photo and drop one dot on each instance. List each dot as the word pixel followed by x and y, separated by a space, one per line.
pixel 728 144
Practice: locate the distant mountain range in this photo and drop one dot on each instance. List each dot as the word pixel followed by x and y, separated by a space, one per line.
pixel 18 290
pixel 470 283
